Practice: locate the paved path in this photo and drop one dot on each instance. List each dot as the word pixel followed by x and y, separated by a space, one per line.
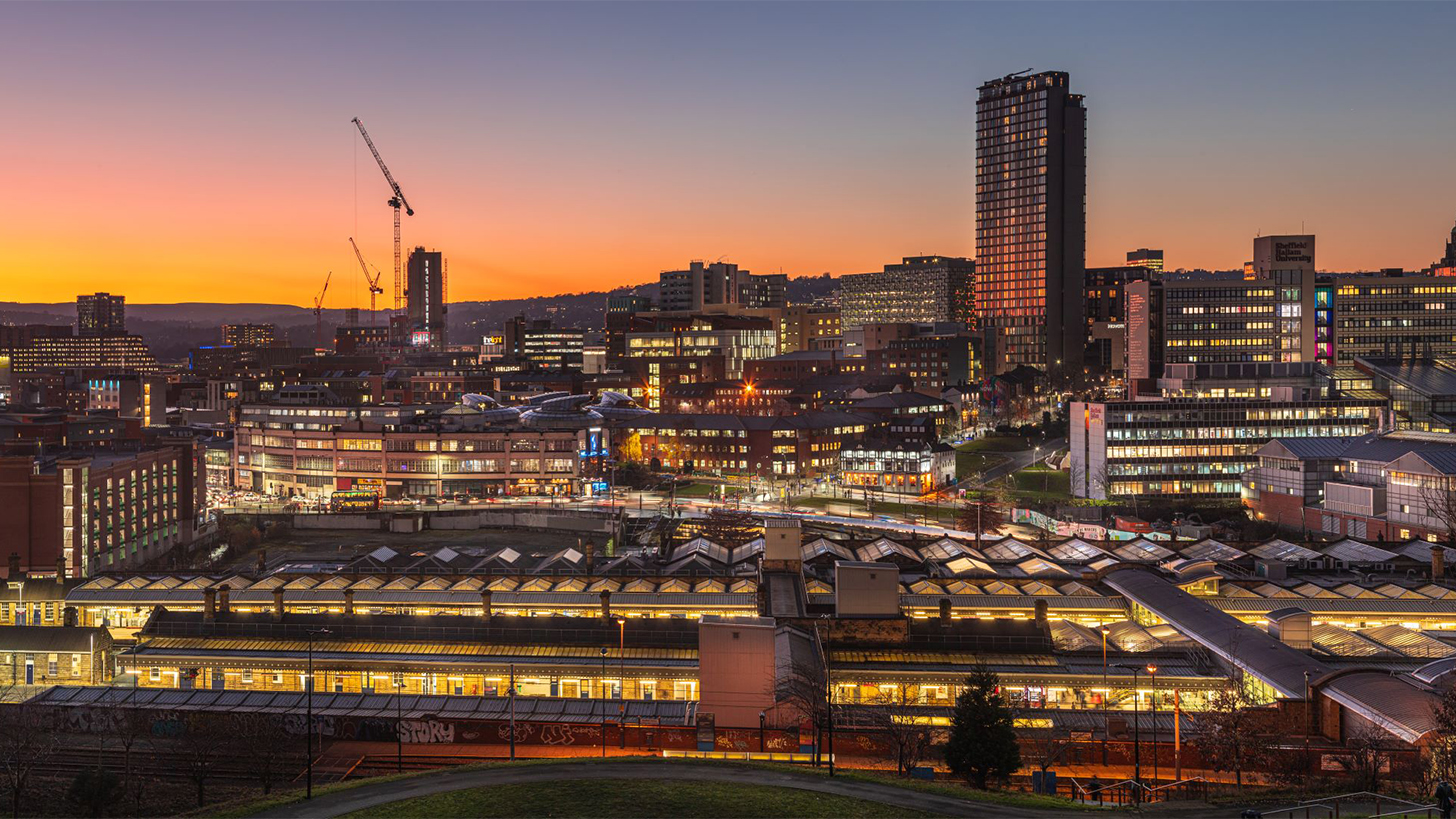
pixel 349 800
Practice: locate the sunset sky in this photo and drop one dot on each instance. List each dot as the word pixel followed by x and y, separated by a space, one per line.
pixel 203 152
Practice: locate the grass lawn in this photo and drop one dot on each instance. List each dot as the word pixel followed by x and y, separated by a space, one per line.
pixel 634 797
pixel 969 463
pixel 1040 483
pixel 699 490
pixel 998 443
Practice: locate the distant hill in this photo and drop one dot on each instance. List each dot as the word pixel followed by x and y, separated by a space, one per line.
pixel 171 330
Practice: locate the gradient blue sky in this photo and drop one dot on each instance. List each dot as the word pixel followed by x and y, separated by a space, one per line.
pixel 204 151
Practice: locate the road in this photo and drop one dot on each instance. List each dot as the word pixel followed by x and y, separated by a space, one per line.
pixel 340 802
pixel 1016 461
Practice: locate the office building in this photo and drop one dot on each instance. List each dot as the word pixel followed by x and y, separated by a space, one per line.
pixel 737 339
pixel 100 315
pixel 1275 316
pixel 1422 390
pixel 704 284
pixel 809 327
pixel 1390 487
pixel 425 299
pixel 1106 312
pixel 804 445
pixel 767 290
pixel 130 395
pixel 918 289
pixel 1199 435
pixel 554 348
pixel 1147 258
pixel 933 361
pixel 110 353
pixel 620 310
pixel 316 447
pixel 101 509
pixel 1031 220
pixel 254 335
pixel 1378 315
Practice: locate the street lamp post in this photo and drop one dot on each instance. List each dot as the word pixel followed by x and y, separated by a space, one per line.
pixel 1153 683
pixel 513 712
pixel 1105 692
pixel 603 682
pixel 762 719
pixel 399 721
pixel 1137 739
pixel 308 697
pixel 622 681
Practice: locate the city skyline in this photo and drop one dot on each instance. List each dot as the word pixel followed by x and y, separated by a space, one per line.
pixel 561 142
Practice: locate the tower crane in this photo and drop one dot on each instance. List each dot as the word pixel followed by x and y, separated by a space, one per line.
pixel 318 313
pixel 373 281
pixel 396 201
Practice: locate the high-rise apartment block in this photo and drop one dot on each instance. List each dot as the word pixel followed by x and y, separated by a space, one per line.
pixel 1031 220
pixel 425 297
pixel 250 335
pixel 919 289
pixel 1146 257
pixel 100 315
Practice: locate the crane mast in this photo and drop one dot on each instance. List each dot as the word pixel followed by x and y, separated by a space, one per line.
pixel 396 201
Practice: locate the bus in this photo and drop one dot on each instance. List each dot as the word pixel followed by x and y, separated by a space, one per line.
pixel 354 500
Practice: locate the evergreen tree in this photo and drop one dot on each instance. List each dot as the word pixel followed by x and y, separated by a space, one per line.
pixel 983 742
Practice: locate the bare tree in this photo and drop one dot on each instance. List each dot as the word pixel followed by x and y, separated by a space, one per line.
pixel 129 728
pixel 906 730
pixel 729 527
pixel 26 745
pixel 1439 498
pixel 1044 747
pixel 802 685
pixel 261 738
pixel 1225 730
pixel 1369 756
pixel 1442 750
pixel 201 738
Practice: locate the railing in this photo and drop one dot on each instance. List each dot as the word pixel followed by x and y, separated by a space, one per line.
pixel 1131 791
pixel 1331 806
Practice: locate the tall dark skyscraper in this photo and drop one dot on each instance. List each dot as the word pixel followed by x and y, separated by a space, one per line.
pixel 100 315
pixel 1031 220
pixel 425 297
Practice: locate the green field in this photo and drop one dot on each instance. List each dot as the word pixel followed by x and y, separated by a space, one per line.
pixel 1040 483
pixel 634 797
pixel 998 443
pixel 969 463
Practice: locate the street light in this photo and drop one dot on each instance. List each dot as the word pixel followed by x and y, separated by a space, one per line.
pixel 1105 692
pixel 622 681
pixel 762 719
pixel 308 696
pixel 1137 740
pixel 399 721
pixel 603 681
pixel 1153 704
